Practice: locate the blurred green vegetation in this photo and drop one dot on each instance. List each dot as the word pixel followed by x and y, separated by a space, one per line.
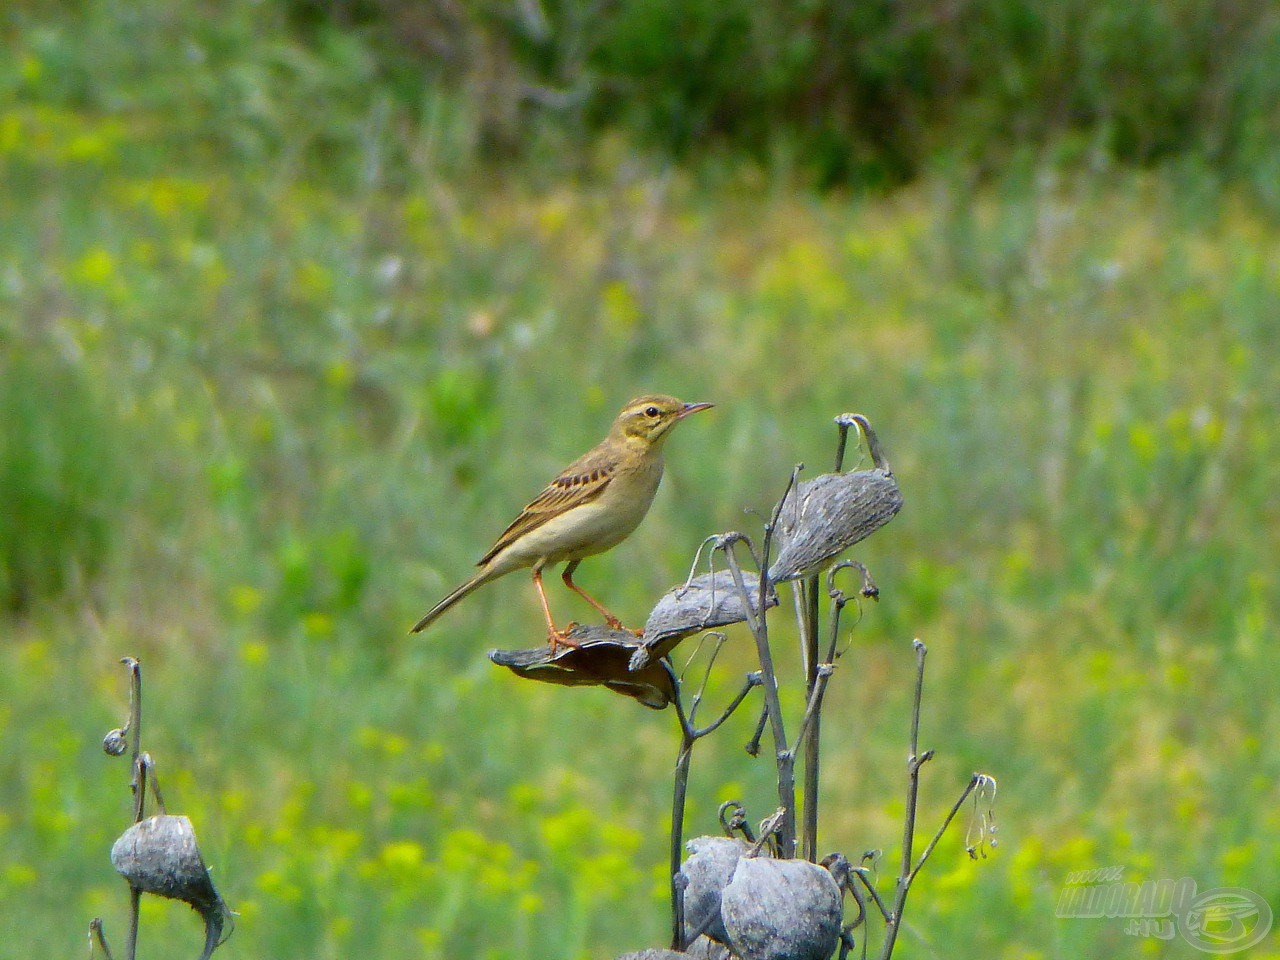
pixel 872 92
pixel 283 346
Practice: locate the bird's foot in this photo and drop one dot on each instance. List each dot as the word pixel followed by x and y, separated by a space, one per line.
pixel 616 624
pixel 560 638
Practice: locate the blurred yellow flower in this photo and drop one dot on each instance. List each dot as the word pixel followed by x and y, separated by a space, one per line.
pixel 359 795
pixel 621 309
pixel 317 624
pixel 17 875
pixel 274 884
pixel 245 599
pixel 254 653
pixel 96 267
pixel 339 374
pixel 402 858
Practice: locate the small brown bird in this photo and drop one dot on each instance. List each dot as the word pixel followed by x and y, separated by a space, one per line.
pixel 595 504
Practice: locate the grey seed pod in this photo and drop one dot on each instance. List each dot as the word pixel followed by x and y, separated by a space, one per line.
pixel 782 910
pixel 707 871
pixel 115 743
pixel 706 949
pixel 823 517
pixel 160 856
pixel 706 602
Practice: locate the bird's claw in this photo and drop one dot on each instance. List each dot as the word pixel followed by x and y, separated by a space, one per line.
pixel 560 638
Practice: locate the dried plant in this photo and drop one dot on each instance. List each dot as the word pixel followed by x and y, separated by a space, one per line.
pixel 158 854
pixel 765 895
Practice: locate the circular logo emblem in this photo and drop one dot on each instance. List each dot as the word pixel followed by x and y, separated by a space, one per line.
pixel 1226 919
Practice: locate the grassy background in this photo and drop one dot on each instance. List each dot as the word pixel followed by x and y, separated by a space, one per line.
pixel 281 351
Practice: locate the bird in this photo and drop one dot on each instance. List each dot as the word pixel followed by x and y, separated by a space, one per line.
pixel 592 506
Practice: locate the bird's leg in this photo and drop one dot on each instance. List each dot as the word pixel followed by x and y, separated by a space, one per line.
pixel 567 577
pixel 554 637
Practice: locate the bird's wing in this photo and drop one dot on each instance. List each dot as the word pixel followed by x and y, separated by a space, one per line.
pixel 581 482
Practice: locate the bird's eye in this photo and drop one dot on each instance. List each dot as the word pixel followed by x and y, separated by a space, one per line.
pixel 652 412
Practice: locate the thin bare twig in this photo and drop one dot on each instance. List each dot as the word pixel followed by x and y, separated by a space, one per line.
pixel 753 680
pixel 696 700
pixel 814 706
pixel 843 872
pixel 689 734
pixel 697 558
pixel 678 796
pixel 98 938
pixel 974 782
pixel 785 759
pixel 843 423
pixel 861 874
pixel 138 784
pixel 809 737
pixel 770 827
pixel 914 762
pixel 148 768
pixel 838 601
pixel 753 745
pixel 133 730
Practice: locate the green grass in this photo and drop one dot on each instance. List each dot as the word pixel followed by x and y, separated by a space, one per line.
pixel 267 397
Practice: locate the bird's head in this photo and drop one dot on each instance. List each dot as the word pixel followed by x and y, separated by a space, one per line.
pixel 650 418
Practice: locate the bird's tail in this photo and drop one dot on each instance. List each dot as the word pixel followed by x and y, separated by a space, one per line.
pixel 484 576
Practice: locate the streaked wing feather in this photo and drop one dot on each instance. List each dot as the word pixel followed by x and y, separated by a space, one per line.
pixel 580 483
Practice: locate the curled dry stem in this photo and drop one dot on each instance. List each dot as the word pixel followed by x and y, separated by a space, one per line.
pixel 733 817
pixel 981 832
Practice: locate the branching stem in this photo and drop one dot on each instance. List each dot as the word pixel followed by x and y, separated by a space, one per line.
pixel 914 762
pixel 785 758
pixel 689 734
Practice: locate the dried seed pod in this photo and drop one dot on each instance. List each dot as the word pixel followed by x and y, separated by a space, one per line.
pixel 823 517
pixel 704 603
pixel 115 743
pixel 160 856
pixel 781 910
pixel 707 871
pixel 601 659
pixel 706 949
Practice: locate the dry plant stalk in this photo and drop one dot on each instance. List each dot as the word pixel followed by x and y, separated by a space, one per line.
pixel 158 854
pixel 812 525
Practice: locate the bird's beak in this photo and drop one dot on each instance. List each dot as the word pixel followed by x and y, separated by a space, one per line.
pixel 689 408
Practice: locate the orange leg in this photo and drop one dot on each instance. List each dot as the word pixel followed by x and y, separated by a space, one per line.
pixel 554 637
pixel 567 577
